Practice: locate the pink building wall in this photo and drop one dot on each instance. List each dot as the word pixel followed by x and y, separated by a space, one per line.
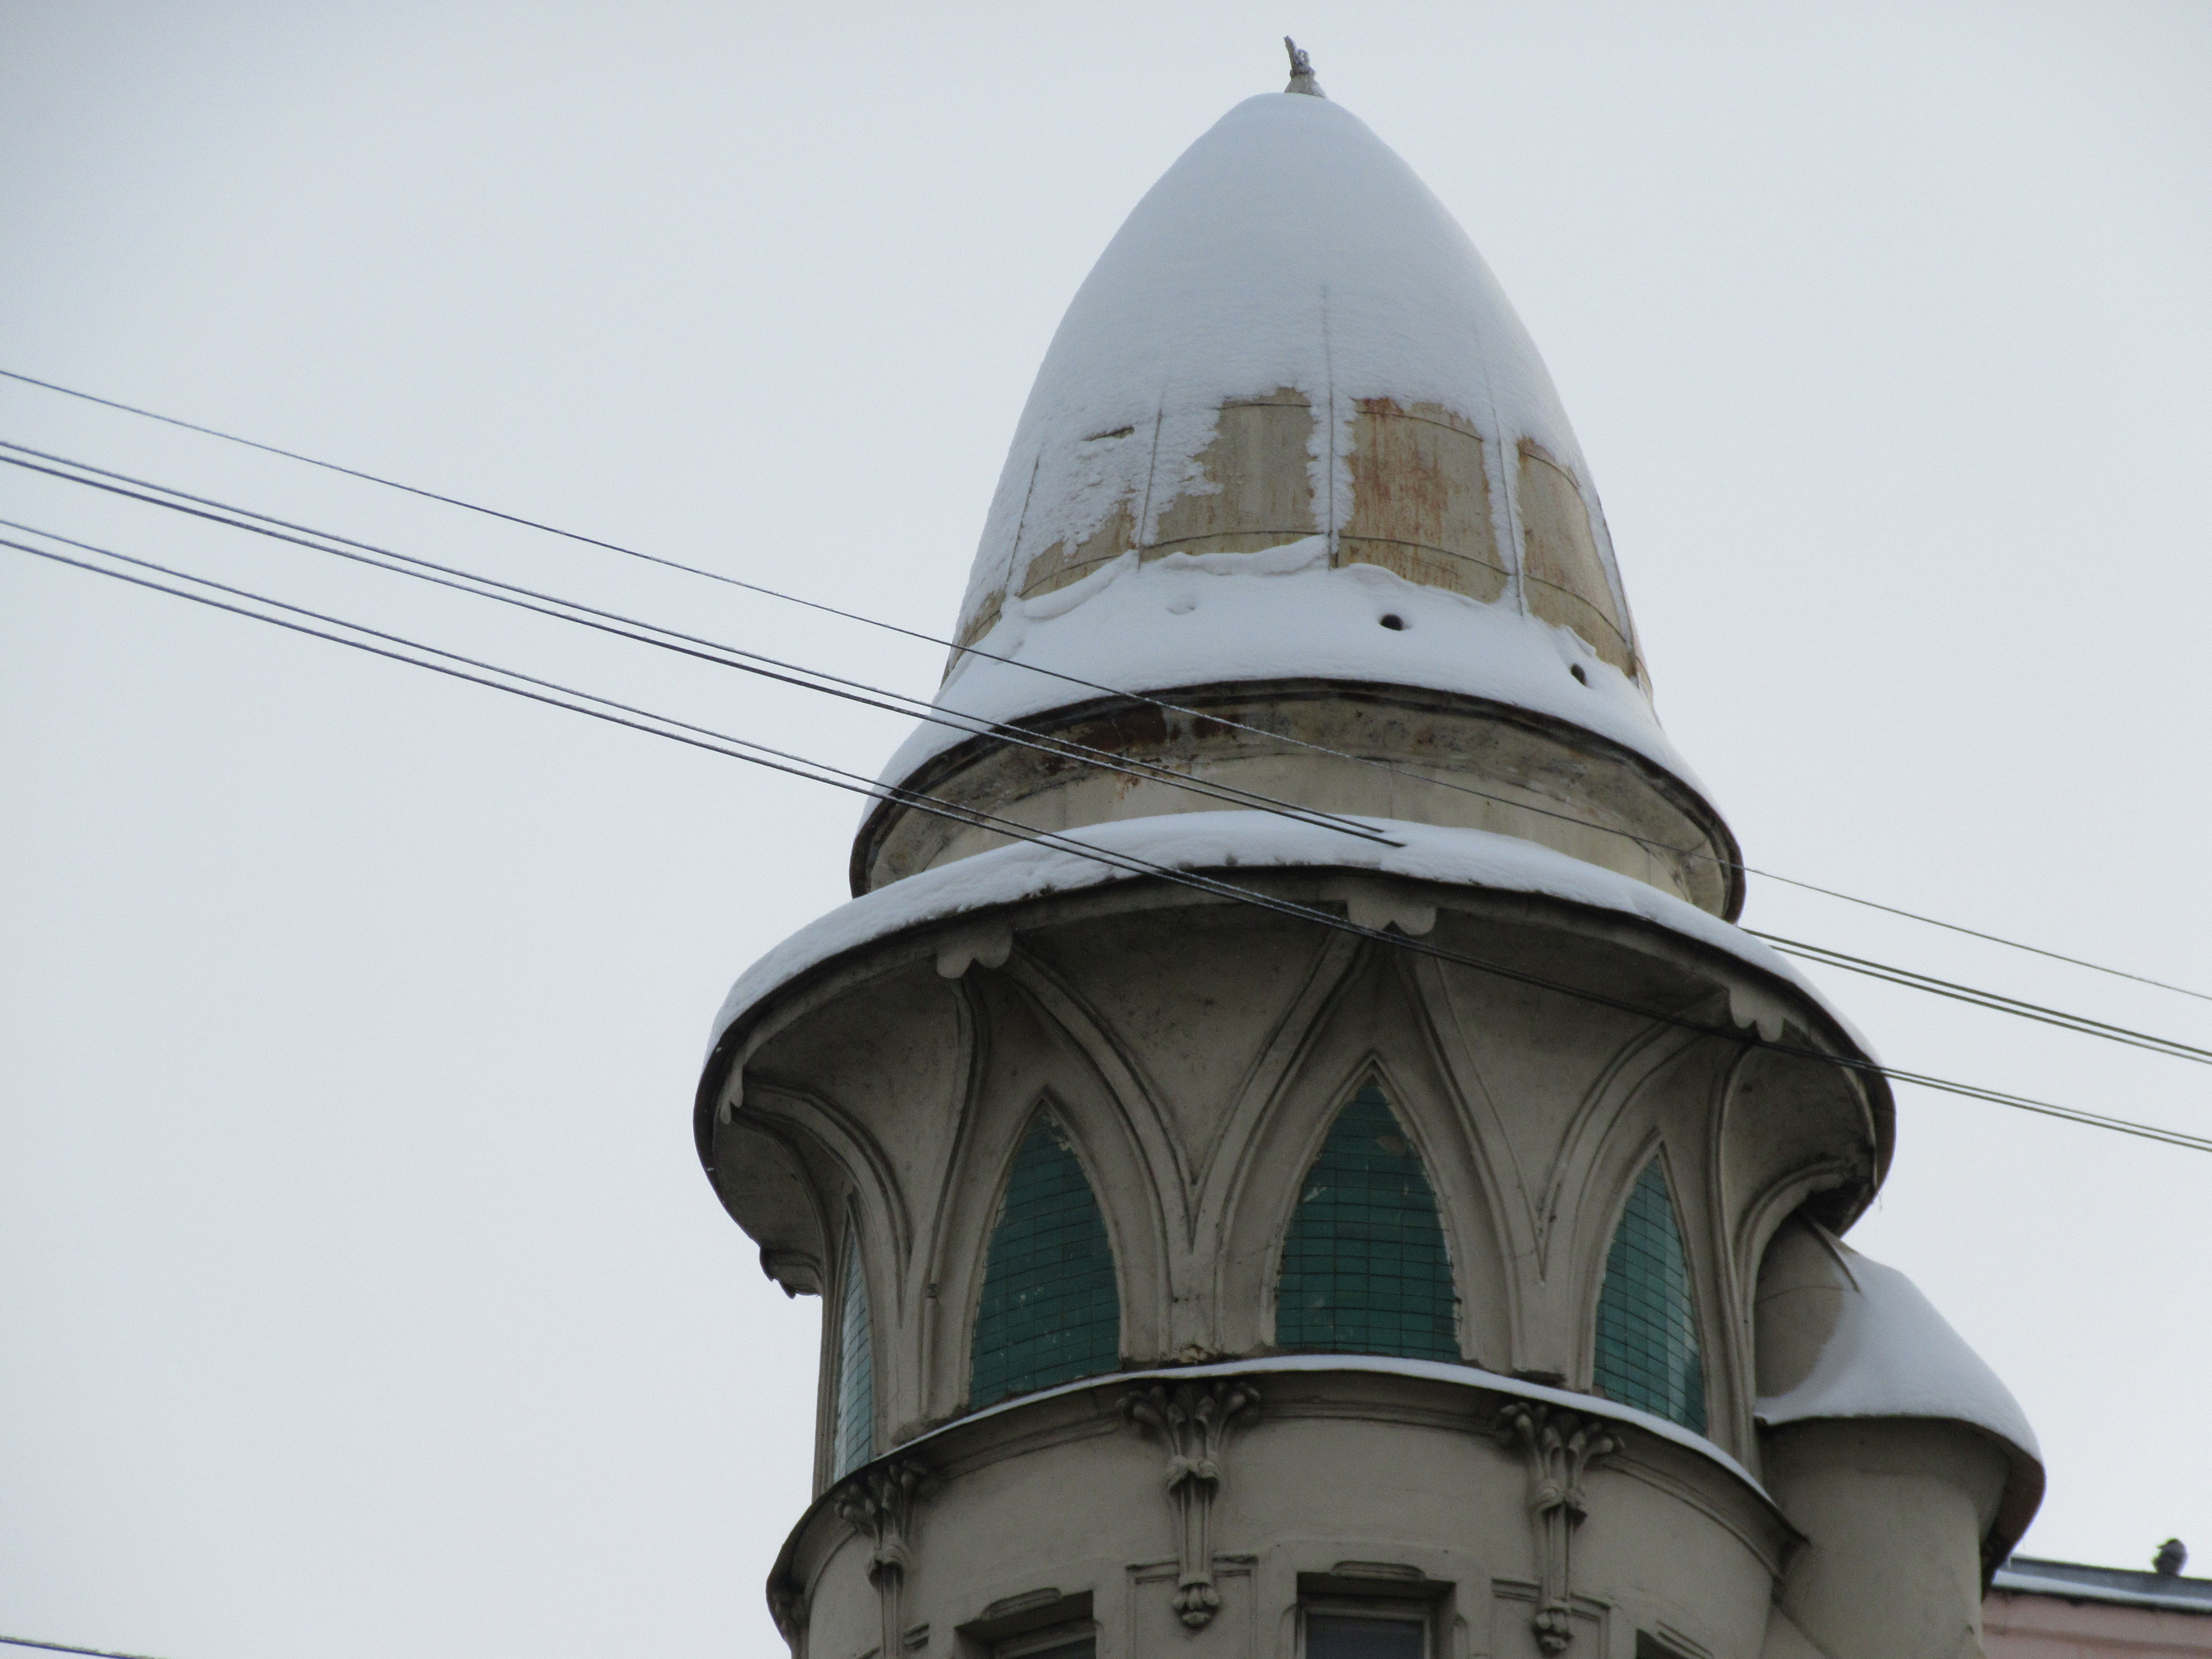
pixel 2016 1625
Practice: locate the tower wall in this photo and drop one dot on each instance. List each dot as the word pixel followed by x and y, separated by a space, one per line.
pixel 1195 1054
pixel 1334 1488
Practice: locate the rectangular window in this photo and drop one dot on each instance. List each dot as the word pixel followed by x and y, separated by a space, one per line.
pixel 1335 1633
pixel 1041 1624
pixel 1048 1645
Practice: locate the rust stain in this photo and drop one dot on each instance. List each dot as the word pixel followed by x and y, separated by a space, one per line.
pixel 1421 499
pixel 1562 577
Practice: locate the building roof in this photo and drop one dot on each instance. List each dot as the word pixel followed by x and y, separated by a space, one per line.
pixel 2025 1574
pixel 1289 255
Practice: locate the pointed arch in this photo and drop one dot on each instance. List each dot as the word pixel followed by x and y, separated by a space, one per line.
pixel 1029 1062
pixel 853 1441
pixel 1050 1310
pixel 1647 1349
pixel 1365 1269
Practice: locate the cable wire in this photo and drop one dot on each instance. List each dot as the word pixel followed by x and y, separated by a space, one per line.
pixel 1994 1000
pixel 819 772
pixel 540 602
pixel 663 638
pixel 1073 679
pixel 67 1647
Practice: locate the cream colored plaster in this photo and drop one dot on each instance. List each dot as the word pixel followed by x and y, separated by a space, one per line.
pixel 1895 1511
pixel 1443 761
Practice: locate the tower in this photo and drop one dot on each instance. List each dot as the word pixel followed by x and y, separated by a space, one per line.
pixel 1299 1158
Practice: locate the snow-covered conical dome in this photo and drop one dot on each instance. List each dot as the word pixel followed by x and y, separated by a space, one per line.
pixel 1290 434
pixel 1290 285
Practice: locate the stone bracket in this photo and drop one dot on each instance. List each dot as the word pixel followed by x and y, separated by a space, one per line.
pixel 879 1504
pixel 1559 1445
pixel 1193 1420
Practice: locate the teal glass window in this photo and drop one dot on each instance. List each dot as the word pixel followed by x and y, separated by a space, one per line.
pixel 1365 1268
pixel 856 1441
pixel 1050 1312
pixel 1647 1325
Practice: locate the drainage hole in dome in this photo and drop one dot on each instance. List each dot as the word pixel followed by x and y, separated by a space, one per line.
pixel 1576 669
pixel 1394 622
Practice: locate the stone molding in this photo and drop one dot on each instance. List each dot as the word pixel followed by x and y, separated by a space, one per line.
pixel 1559 1445
pixel 1194 1420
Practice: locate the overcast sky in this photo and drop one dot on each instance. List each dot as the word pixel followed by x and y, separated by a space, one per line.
pixel 360 1292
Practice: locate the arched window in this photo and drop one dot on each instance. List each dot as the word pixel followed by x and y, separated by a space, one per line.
pixel 1050 1312
pixel 855 1441
pixel 1647 1325
pixel 1365 1269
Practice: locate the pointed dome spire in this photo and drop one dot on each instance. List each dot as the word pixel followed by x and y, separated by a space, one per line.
pixel 1291 430
pixel 1290 262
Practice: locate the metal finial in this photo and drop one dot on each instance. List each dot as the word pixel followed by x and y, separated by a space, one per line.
pixel 1302 75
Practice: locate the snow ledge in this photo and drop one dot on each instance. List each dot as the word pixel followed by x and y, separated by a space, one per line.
pixel 1225 843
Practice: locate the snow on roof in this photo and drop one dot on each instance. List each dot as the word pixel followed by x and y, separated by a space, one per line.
pixel 1193 619
pixel 1236 843
pixel 1288 248
pixel 1893 1355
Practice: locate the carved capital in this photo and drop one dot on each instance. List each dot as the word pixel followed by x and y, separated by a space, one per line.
pixel 1193 1421
pixel 878 1503
pixel 1559 1445
pixel 788 1606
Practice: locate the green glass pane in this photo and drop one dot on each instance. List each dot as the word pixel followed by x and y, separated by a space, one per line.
pixel 1647 1325
pixel 1365 1268
pixel 1050 1312
pixel 856 1373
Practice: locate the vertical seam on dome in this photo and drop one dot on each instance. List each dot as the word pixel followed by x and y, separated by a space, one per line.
pixel 1017 573
pixel 1144 536
pixel 1329 373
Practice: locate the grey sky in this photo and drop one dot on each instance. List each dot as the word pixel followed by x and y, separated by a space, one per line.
pixel 360 1293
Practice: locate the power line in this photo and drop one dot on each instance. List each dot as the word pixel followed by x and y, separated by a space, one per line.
pixel 540 602
pixel 1995 1001
pixel 1975 932
pixel 667 639
pixel 66 1647
pixel 1092 685
pixel 1645 842
pixel 1128 863
pixel 505 592
pixel 818 772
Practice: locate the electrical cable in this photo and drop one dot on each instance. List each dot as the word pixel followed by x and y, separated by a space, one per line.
pixel 1073 679
pixel 819 772
pixel 1908 978
pixel 67 1647
pixel 663 638
pixel 1995 1001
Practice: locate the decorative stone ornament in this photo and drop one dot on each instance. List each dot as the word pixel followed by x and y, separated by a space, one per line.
pixel 1559 1445
pixel 1194 1420
pixel 788 1608
pixel 879 1506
